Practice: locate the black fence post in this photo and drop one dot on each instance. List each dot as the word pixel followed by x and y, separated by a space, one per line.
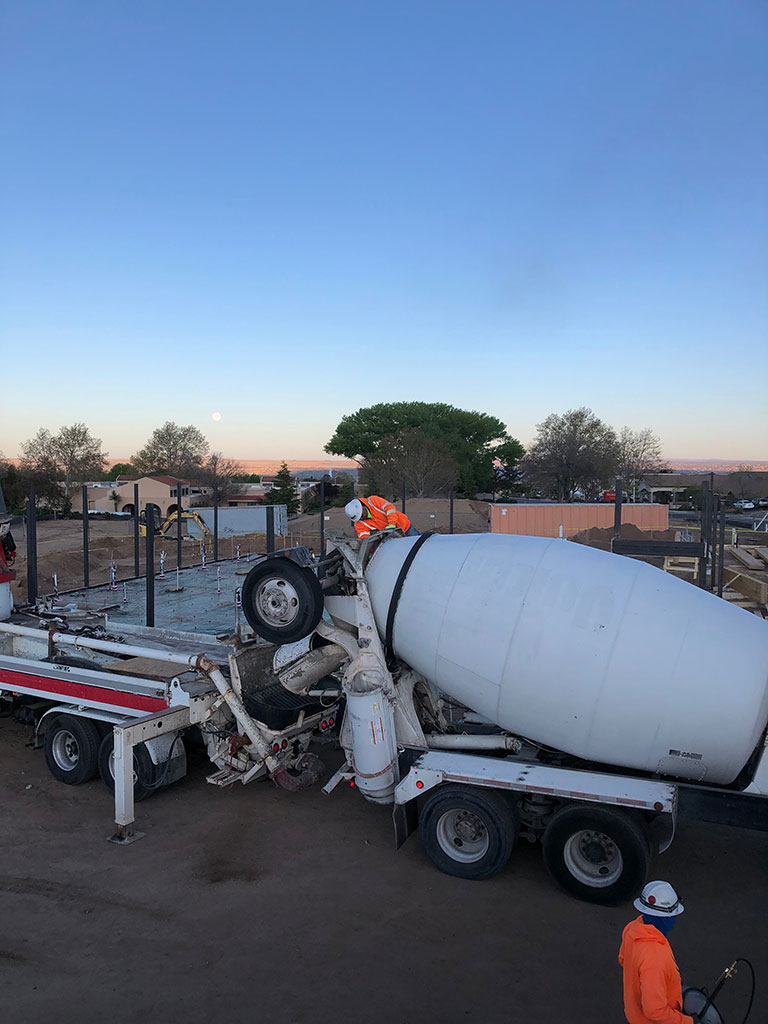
pixel 215 522
pixel 617 508
pixel 86 556
pixel 322 518
pixel 270 529
pixel 403 508
pixel 720 549
pixel 136 566
pixel 704 534
pixel 178 523
pixel 150 565
pixel 31 547
pixel 450 509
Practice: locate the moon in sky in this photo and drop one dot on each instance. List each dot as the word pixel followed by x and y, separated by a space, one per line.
pixel 216 416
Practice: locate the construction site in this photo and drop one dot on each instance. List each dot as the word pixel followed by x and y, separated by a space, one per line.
pixel 201 665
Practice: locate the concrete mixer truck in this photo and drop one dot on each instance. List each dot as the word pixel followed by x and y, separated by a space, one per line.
pixel 500 687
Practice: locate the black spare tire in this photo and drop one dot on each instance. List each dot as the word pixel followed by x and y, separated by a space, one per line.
pixel 282 601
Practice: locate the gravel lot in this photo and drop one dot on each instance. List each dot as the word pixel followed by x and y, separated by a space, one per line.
pixel 254 904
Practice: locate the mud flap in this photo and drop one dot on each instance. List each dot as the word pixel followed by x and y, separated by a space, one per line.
pixel 405 818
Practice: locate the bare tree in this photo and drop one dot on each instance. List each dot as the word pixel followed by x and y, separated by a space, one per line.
pixel 177 451
pixel 219 472
pixel 572 451
pixel 57 462
pixel 426 467
pixel 639 455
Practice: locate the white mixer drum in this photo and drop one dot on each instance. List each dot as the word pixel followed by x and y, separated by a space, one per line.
pixel 595 654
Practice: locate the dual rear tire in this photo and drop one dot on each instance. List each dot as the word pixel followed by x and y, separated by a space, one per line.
pixel 596 854
pixel 76 751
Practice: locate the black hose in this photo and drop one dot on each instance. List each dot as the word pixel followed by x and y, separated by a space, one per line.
pixel 728 973
pixel 742 960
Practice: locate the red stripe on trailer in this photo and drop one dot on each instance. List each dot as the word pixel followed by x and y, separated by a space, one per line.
pixel 84 692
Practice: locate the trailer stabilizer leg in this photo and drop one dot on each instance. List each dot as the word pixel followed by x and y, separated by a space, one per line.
pixel 125 835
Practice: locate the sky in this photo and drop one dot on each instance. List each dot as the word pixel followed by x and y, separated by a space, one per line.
pixel 284 211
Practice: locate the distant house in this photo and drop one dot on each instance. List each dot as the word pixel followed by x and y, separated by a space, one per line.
pixel 665 488
pixel 153 489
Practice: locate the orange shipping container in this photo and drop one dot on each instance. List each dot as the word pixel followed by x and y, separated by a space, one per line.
pixel 547 520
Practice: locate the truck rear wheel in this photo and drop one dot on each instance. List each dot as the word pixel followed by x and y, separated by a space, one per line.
pixel 468 832
pixel 282 601
pixel 72 749
pixel 596 854
pixel 143 768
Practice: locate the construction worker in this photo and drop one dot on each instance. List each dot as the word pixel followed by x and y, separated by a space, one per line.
pixel 652 989
pixel 375 513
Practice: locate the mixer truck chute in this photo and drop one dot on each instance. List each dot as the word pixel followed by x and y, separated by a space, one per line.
pixel 500 686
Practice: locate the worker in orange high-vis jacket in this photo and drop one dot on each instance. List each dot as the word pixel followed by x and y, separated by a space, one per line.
pixel 652 989
pixel 375 513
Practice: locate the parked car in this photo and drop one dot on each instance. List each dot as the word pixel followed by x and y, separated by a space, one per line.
pixel 762 503
pixel 744 505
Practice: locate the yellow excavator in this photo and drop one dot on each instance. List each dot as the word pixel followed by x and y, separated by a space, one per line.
pixel 167 528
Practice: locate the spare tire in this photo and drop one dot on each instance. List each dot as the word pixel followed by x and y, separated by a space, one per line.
pixel 282 601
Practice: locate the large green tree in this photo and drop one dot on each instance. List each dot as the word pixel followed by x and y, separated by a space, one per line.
pixel 172 450
pixel 575 450
pixel 469 438
pixel 58 462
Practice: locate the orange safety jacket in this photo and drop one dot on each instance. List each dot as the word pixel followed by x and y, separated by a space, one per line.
pixel 652 989
pixel 383 514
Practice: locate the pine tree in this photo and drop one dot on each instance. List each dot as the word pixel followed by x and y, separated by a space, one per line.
pixel 284 491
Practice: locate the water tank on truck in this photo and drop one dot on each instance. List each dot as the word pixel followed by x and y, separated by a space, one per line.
pixel 603 657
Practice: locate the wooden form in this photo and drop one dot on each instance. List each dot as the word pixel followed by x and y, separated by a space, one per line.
pixel 750 586
pixel 743 556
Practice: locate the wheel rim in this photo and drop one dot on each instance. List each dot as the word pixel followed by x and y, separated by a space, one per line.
pixel 593 858
pixel 65 750
pixel 112 768
pixel 277 602
pixel 463 836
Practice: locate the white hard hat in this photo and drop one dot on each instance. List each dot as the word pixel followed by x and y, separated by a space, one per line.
pixel 354 510
pixel 659 899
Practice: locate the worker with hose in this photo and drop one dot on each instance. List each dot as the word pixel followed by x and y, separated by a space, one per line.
pixel 375 513
pixel 652 988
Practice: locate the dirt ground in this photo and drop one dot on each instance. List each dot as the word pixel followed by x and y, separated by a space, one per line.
pixel 253 904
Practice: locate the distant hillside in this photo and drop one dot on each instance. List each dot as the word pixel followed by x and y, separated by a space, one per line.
pixel 717 465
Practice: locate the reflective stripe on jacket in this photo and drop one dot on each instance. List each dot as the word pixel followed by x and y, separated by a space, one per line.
pixel 652 990
pixel 383 514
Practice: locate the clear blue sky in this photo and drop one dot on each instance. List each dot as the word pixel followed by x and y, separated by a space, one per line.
pixel 282 211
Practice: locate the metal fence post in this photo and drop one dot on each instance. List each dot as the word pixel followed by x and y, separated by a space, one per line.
pixel 704 534
pixel 86 563
pixel 31 547
pixel 270 529
pixel 721 550
pixel 178 523
pixel 215 522
pixel 136 566
pixel 150 566
pixel 450 510
pixel 322 518
pixel 617 508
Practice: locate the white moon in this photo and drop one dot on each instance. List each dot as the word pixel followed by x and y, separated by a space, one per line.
pixel 216 416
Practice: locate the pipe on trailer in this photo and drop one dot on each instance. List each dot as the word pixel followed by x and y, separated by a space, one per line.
pixel 465 741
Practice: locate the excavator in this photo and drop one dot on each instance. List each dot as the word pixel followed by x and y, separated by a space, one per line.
pixel 167 527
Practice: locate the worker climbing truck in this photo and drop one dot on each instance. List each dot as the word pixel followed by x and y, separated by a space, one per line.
pixel 491 688
pixel 503 686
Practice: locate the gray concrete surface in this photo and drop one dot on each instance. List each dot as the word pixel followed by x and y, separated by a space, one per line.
pixel 254 905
